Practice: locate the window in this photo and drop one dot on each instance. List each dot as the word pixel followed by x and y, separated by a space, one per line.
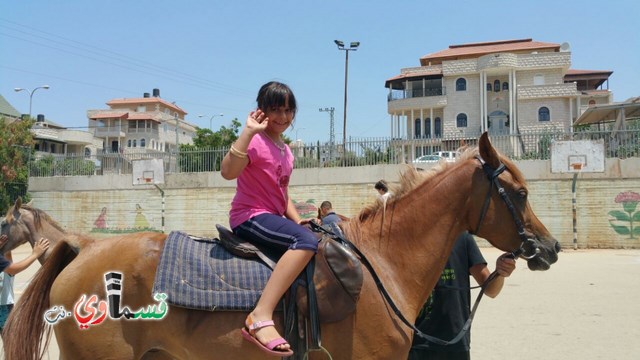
pixel 416 129
pixel 489 87
pixel 135 143
pixel 87 152
pixel 505 86
pixel 427 127
pixel 543 114
pixel 461 120
pixel 143 142
pixel 129 143
pixel 461 84
pixel 437 127
pixel 496 86
pixel 538 79
pixel 141 108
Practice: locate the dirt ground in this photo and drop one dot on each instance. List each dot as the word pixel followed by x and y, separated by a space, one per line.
pixel 585 307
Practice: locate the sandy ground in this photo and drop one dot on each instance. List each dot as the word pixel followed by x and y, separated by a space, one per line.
pixel 585 307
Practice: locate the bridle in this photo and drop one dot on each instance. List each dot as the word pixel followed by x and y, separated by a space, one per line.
pixel 528 248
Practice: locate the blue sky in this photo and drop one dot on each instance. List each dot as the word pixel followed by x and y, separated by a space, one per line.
pixel 211 57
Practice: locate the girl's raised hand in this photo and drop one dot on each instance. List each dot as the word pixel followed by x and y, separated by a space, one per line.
pixel 257 121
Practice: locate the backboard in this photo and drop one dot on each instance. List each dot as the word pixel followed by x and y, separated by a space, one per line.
pixel 577 156
pixel 148 171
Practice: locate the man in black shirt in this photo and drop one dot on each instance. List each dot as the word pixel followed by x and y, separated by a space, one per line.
pixel 448 307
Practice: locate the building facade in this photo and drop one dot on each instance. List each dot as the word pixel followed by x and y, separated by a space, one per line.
pixel 504 87
pixel 147 124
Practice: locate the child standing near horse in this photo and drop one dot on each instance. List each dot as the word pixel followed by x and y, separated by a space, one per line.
pixel 262 210
pixel 8 269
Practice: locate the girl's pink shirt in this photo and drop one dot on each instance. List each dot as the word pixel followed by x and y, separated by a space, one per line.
pixel 262 187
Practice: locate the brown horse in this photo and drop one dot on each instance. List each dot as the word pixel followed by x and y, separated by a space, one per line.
pixel 407 242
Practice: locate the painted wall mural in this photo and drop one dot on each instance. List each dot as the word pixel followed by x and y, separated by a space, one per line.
pixel 626 222
pixel 140 223
pixel 307 209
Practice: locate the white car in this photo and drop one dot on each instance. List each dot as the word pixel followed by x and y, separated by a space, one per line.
pixel 430 159
pixel 450 156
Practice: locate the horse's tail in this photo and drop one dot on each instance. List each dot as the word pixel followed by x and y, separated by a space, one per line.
pixel 26 335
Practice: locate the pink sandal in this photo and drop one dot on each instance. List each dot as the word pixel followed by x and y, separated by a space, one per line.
pixel 248 333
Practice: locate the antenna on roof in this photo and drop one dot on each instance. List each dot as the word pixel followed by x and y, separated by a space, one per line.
pixel 565 47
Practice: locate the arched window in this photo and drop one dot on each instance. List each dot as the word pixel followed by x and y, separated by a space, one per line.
pixel 87 152
pixel 416 129
pixel 496 86
pixel 505 86
pixel 461 84
pixel 461 120
pixel 129 143
pixel 143 142
pixel 592 103
pixel 543 114
pixel 427 127
pixel 489 88
pixel 135 143
pixel 437 127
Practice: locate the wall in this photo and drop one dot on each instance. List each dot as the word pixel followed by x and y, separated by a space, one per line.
pixel 196 202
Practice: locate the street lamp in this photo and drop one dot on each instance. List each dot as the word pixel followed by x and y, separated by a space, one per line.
pixel 46 87
pixel 353 46
pixel 297 133
pixel 211 118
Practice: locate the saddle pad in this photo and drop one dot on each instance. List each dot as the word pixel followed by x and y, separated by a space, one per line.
pixel 198 273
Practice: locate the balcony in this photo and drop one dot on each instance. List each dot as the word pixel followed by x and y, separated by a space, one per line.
pixel 400 100
pixel 110 131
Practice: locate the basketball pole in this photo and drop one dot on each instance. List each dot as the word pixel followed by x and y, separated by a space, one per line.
pixel 574 205
pixel 162 194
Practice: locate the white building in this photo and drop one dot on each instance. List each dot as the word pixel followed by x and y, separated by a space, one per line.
pixel 504 87
pixel 148 123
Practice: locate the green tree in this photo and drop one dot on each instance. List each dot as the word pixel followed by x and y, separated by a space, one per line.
pixel 208 148
pixel 16 148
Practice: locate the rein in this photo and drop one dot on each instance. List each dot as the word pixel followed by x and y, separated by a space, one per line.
pixel 492 175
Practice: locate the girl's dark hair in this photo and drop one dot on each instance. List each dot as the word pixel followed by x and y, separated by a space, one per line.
pixel 274 95
pixel 381 185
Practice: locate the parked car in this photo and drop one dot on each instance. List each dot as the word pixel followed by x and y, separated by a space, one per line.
pixel 450 156
pixel 427 159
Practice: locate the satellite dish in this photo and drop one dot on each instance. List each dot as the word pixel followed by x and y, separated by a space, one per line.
pixel 565 47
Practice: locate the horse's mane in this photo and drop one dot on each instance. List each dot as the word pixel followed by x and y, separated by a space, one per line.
pixel 75 240
pixel 411 178
pixel 38 216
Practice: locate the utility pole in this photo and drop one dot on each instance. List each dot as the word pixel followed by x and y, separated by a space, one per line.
pixel 332 133
pixel 175 117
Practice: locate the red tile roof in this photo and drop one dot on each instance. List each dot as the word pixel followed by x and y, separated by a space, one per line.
pixel 142 116
pixel 145 101
pixel 110 115
pixel 478 49
pixel 420 73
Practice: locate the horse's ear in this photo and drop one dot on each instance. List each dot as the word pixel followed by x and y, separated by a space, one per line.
pixel 18 203
pixel 30 203
pixel 487 152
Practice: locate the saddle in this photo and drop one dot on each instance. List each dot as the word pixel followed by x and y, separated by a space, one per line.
pixel 337 276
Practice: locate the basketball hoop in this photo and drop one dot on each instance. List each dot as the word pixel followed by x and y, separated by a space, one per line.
pixel 576 166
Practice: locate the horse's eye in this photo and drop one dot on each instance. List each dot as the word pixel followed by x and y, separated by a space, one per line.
pixel 523 194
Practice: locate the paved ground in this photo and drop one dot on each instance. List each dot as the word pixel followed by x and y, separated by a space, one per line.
pixel 585 307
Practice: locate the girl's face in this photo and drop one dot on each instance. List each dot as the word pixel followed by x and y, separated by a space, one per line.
pixel 279 118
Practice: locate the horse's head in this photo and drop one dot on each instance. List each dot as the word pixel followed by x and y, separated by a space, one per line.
pixel 24 223
pixel 15 227
pixel 501 212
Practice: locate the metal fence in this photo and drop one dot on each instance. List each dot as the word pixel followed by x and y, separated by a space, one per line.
pixel 357 152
